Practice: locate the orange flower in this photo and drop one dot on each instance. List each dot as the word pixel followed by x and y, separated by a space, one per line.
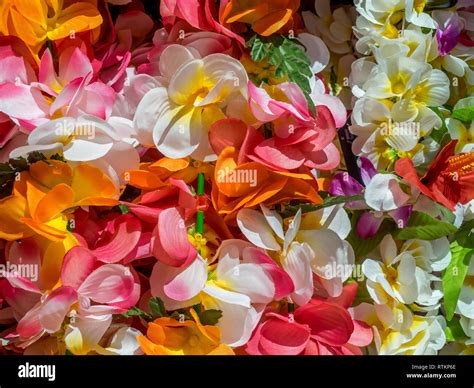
pixel 36 21
pixel 152 176
pixel 167 336
pixel 42 195
pixel 237 185
pixel 265 16
pixel 41 203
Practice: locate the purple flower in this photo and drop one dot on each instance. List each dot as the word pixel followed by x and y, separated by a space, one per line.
pixel 448 34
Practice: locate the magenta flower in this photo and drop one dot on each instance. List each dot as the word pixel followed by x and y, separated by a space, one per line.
pixel 448 34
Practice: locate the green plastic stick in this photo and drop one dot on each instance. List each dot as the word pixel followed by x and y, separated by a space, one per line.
pixel 200 213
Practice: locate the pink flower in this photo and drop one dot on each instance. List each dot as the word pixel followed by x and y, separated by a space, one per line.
pixel 299 138
pixel 74 89
pixel 321 327
pixel 93 288
pixel 123 45
pixel 170 244
pixel 20 103
pixel 113 239
pixel 200 14
pixel 29 100
pixel 202 43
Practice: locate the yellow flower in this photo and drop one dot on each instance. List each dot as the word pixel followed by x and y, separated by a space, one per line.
pixel 167 336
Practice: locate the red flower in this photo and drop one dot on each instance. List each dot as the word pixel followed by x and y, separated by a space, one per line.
pixel 449 179
pixel 320 327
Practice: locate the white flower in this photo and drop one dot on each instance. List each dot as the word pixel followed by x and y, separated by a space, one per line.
pixel 266 231
pixel 176 118
pixel 334 27
pixel 424 337
pixel 397 331
pixel 383 193
pixel 86 139
pixel 405 275
pixel 385 132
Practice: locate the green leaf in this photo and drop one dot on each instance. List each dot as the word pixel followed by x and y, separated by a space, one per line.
pixel 210 317
pixel 179 315
pixel 438 134
pixel 424 227
pixel 290 59
pixel 291 210
pixel 464 110
pixel 157 307
pixel 447 214
pixel 136 312
pixel 465 235
pixel 260 50
pixel 454 331
pixel 68 353
pixel 287 56
pixel 124 209
pixel 454 275
pixel 362 247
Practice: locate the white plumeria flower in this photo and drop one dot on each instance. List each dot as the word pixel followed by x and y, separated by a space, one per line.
pixel 394 277
pixel 334 27
pixel 398 331
pixel 463 134
pixel 83 334
pixel 86 139
pixel 383 193
pixel 379 13
pixel 313 243
pixel 406 79
pixel 385 132
pixel 431 256
pixel 424 337
pixel 121 341
pixel 176 118
pixel 411 41
pixel 241 290
pixel 265 230
pixel 406 275
pixel 333 258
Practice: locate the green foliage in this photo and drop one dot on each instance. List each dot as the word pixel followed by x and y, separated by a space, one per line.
pixel 158 310
pixel 11 169
pixel 124 209
pixel 291 210
pixel 454 275
pixel 424 227
pixel 137 312
pixel 362 247
pixel 464 110
pixel 454 331
pixel 210 317
pixel 438 134
pixel 288 57
pixel 464 235
pixel 157 307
